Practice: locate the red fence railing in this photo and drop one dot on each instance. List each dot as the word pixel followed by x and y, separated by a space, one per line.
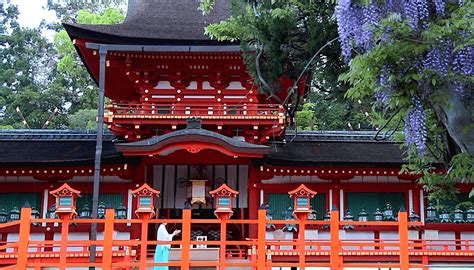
pixel 260 253
pixel 216 109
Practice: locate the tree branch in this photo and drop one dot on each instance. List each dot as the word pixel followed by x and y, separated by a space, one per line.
pixel 385 125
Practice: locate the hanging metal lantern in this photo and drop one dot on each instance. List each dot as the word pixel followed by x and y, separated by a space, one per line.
pixel 101 210
pixel 348 217
pixel 35 214
pixel 388 213
pixel 363 215
pixel 313 215
pixel 85 211
pixel 431 215
pixel 288 214
pixel 15 214
pixel 470 215
pixel 121 211
pixel 52 212
pixel 458 216
pixel 413 217
pixel 444 216
pixel 3 215
pixel 378 215
pixel 269 215
pixel 327 217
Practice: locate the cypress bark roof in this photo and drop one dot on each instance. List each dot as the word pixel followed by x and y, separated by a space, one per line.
pixel 314 153
pixel 156 22
pixel 48 147
pixel 194 135
pixel 310 148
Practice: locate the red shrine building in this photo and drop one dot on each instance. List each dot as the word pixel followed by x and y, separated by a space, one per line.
pixel 185 117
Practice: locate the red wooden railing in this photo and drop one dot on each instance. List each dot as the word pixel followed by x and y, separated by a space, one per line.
pixel 216 109
pixel 260 253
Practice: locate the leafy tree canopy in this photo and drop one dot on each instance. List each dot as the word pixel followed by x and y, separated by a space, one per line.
pixel 44 81
pixel 416 58
pixel 83 119
pixel 289 39
pixel 25 72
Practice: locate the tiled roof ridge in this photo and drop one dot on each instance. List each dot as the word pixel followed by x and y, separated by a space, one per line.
pixel 306 136
pixel 51 134
pixel 337 135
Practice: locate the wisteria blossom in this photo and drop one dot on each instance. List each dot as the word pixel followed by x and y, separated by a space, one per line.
pixel 356 22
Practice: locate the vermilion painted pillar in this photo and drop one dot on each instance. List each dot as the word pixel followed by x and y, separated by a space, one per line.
pixel 416 201
pixel 140 173
pixel 23 238
pixel 335 197
pixel 254 198
pixel 108 239
pixel 403 237
pixel 335 260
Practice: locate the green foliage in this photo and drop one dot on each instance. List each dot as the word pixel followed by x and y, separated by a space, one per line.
pixel 83 119
pixel 285 35
pixel 206 6
pixel 403 50
pixel 306 118
pixel 71 73
pixel 109 16
pixel 25 72
pixel 39 76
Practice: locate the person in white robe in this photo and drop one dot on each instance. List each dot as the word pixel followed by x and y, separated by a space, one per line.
pixel 162 251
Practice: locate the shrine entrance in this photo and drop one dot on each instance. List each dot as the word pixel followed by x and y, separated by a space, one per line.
pixel 188 186
pixel 186 164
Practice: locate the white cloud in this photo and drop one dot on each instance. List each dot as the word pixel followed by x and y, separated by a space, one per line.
pixel 32 12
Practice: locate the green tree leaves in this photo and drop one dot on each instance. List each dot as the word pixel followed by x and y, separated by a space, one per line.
pixel 38 75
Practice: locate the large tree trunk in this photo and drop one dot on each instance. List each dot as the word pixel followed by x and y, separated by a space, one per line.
pixel 458 118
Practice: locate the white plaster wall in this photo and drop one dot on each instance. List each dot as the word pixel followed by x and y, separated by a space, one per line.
pixel 361 237
pixel 450 238
pixel 392 237
pixel 467 236
pixel 74 236
pixel 14 237
pixel 439 239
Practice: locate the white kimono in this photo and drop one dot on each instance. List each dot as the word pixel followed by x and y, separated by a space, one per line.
pixel 162 250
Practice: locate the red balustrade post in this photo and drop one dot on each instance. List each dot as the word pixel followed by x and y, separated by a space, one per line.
pixel 186 240
pixel 252 252
pixel 424 262
pixel 108 239
pixel 403 236
pixel 127 258
pixel 261 248
pixel 334 231
pixel 144 242
pixel 23 238
pixel 65 219
pixel 223 238
pixel 301 239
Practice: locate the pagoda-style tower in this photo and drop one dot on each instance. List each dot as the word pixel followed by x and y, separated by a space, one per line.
pixel 164 70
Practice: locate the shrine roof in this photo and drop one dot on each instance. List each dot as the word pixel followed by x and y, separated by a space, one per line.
pixel 192 135
pixel 30 146
pixel 335 135
pixel 306 148
pixel 51 135
pixel 313 148
pixel 156 22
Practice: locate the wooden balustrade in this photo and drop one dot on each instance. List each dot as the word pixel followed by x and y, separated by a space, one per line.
pixel 195 109
pixel 259 254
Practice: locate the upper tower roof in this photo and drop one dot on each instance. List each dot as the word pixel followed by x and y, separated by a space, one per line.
pixel 156 22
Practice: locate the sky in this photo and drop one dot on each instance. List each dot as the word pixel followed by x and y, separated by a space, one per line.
pixel 32 12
